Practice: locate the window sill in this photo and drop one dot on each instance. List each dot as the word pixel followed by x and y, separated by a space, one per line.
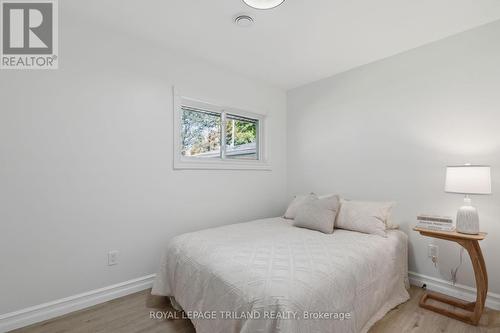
pixel 221 165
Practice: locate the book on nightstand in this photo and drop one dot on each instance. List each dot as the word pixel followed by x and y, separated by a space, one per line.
pixel 433 222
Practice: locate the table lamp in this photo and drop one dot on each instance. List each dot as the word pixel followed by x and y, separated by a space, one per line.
pixel 468 179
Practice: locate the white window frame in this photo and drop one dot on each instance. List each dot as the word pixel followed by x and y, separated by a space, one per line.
pixel 189 162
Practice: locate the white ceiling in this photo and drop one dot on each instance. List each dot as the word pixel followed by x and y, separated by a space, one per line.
pixel 299 42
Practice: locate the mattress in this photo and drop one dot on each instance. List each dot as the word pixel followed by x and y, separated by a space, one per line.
pixel 269 276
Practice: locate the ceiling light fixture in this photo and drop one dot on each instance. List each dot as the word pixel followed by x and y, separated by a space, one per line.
pixel 263 4
pixel 243 21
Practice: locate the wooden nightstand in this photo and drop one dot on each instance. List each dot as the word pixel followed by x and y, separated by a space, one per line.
pixel 472 311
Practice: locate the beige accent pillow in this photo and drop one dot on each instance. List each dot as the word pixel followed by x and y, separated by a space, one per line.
pixel 364 216
pixel 298 201
pixel 318 214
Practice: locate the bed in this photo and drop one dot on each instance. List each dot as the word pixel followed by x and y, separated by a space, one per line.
pixel 269 276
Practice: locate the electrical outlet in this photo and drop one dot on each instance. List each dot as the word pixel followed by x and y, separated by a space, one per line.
pixel 432 251
pixel 113 257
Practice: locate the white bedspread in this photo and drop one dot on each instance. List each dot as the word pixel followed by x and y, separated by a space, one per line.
pixel 268 268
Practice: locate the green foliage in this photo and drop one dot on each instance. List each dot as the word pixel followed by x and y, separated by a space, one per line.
pixel 243 131
pixel 200 132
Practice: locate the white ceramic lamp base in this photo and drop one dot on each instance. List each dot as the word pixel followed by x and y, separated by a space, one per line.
pixel 468 219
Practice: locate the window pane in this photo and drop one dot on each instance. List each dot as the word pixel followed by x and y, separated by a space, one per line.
pixel 241 138
pixel 200 133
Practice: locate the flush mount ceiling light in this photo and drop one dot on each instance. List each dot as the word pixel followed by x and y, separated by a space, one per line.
pixel 243 21
pixel 263 4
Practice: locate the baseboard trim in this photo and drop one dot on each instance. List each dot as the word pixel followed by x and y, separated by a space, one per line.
pixel 49 310
pixel 458 290
pixel 45 311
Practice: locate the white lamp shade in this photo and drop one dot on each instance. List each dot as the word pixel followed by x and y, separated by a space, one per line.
pixel 263 4
pixel 468 179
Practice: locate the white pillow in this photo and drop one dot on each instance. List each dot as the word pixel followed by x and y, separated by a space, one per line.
pixel 364 216
pixel 318 214
pixel 298 201
pixel 390 224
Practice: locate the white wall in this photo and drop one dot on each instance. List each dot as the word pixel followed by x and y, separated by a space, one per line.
pixel 386 131
pixel 86 163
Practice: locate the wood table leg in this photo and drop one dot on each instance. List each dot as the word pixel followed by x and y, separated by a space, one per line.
pixel 472 310
pixel 481 279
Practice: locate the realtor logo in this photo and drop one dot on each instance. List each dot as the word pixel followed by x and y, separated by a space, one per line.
pixel 29 34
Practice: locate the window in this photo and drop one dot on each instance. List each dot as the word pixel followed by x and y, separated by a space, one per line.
pixel 241 137
pixel 213 137
pixel 201 132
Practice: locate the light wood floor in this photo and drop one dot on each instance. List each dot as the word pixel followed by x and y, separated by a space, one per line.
pixel 130 314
